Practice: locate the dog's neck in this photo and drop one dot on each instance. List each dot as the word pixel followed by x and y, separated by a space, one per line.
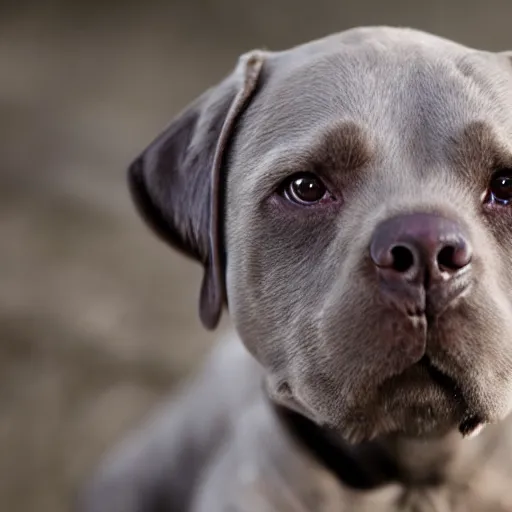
pixel 411 462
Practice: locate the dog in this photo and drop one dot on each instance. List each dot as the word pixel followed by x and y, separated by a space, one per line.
pixel 350 200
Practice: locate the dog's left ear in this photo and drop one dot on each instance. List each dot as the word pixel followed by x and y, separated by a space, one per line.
pixel 177 182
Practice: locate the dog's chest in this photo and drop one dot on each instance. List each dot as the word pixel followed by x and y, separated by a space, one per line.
pixel 397 499
pixel 320 491
pixel 276 475
pixel 296 483
pixel 385 500
pixel 491 492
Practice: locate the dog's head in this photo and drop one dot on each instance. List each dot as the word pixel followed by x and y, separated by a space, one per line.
pixel 351 201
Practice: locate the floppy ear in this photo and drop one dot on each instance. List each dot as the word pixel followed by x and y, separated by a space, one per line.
pixel 177 186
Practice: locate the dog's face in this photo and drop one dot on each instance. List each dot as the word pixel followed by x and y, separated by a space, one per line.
pixel 367 231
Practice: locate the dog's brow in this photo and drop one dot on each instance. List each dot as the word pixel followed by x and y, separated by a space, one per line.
pixel 479 146
pixel 342 146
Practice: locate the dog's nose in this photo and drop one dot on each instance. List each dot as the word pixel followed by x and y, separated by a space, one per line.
pixel 420 249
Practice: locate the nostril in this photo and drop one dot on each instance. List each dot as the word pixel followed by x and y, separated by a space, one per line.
pixel 453 258
pixel 403 258
pixel 446 258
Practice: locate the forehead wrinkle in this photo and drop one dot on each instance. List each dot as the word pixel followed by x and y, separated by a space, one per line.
pixel 485 71
pixel 441 101
pixel 361 83
pixel 312 93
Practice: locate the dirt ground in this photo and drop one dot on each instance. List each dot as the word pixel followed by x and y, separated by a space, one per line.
pixel 97 318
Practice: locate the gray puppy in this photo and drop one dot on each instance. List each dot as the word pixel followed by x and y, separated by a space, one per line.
pixel 351 202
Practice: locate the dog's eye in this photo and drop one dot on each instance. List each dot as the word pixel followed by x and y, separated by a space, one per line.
pixel 500 188
pixel 305 189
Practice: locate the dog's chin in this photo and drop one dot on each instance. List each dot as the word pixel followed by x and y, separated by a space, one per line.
pixel 420 403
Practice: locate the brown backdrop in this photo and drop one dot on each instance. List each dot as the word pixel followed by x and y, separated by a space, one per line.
pixel 97 318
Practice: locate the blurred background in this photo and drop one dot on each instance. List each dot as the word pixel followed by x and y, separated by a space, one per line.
pixel 97 317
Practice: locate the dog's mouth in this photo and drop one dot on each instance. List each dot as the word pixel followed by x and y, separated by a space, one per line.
pixel 442 379
pixel 471 423
pixel 424 400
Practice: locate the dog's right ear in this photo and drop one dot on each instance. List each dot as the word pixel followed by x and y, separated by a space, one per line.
pixel 176 182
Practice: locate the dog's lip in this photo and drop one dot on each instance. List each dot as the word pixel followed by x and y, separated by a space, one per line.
pixel 440 377
pixel 472 423
pixel 472 426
